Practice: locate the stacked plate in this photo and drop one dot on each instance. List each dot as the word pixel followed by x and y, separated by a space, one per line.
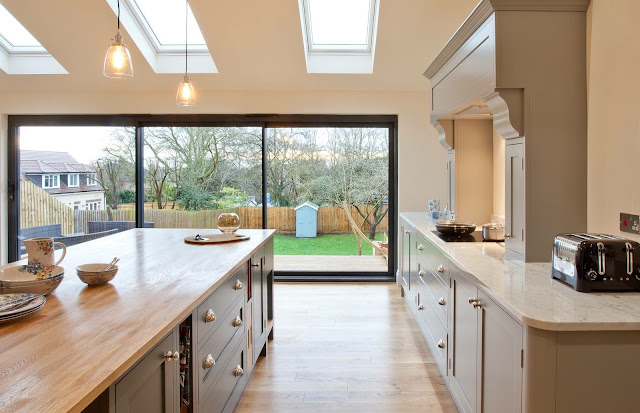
pixel 27 279
pixel 14 306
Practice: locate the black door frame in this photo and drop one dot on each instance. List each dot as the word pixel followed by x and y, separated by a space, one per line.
pixel 264 121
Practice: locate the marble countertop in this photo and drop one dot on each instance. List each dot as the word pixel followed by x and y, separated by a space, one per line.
pixel 528 292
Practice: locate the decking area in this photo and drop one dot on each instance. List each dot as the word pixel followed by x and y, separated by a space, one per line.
pixel 331 263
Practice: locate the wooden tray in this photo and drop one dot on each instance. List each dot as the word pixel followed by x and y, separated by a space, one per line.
pixel 216 238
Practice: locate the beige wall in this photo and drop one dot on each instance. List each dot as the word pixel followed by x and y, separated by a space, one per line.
pixel 498 176
pixel 421 159
pixel 614 114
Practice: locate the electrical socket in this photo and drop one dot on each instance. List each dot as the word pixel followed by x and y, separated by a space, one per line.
pixel 629 223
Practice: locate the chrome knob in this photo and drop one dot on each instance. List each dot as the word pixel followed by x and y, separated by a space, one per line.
pixel 420 247
pixel 238 285
pixel 477 304
pixel 406 231
pixel 441 268
pixel 507 235
pixel 420 307
pixel 591 275
pixel 175 356
pixel 238 371
pixel 441 343
pixel 472 300
pixel 255 265
pixel 237 322
pixel 421 273
pixel 209 362
pixel 210 316
pixel 441 301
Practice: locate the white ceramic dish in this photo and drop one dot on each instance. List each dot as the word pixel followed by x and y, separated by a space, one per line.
pixel 92 274
pixel 13 317
pixel 43 287
pixel 26 273
pixel 37 300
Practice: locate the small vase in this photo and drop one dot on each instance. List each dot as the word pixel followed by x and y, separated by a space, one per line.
pixel 228 222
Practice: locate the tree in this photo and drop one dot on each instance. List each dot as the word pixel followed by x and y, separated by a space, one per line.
pixel 110 176
pixel 358 159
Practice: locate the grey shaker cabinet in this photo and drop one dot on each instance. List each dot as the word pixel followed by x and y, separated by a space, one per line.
pixel 501 351
pixel 486 369
pixel 485 344
pixel 464 351
pixel 406 259
pixel 515 210
pixel 152 385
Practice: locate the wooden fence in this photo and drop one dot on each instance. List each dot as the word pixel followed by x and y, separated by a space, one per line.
pixel 162 218
pixel 38 208
pixel 331 220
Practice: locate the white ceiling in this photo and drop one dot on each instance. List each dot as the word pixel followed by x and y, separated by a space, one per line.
pixel 256 45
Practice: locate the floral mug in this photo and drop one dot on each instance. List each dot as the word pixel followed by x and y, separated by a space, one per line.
pixel 40 252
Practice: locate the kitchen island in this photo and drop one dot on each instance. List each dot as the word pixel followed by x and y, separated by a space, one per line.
pixel 73 353
pixel 508 338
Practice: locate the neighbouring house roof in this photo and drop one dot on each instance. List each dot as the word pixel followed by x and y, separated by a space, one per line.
pixel 50 162
pixel 37 163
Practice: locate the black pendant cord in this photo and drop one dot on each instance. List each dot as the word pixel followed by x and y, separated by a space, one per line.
pixel 186 18
pixel 118 14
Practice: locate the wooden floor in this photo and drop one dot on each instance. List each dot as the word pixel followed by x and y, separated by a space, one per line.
pixel 331 263
pixel 345 348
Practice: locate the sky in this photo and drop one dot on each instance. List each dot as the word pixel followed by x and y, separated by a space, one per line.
pixel 84 143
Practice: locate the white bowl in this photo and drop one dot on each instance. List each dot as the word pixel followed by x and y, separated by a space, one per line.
pixel 92 274
pixel 43 287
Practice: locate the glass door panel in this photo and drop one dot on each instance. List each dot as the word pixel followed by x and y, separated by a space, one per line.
pixel 192 174
pixel 327 195
pixel 76 183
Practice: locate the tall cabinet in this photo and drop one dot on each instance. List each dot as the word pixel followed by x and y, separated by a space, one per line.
pixel 525 59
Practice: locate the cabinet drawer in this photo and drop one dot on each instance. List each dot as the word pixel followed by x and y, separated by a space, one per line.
pixel 222 339
pixel 216 398
pixel 218 303
pixel 433 259
pixel 436 335
pixel 437 293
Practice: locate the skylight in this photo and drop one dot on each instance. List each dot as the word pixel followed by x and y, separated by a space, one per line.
pixel 339 24
pixel 166 21
pixel 20 52
pixel 339 35
pixel 13 32
pixel 157 28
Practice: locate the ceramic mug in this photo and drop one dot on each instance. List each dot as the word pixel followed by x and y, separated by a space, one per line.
pixel 40 251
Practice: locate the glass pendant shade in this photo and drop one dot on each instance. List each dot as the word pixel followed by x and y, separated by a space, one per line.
pixel 186 95
pixel 117 62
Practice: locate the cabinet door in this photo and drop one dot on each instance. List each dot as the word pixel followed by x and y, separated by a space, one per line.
pixel 500 338
pixel 515 197
pixel 451 180
pixel 464 350
pixel 258 294
pixel 152 385
pixel 406 258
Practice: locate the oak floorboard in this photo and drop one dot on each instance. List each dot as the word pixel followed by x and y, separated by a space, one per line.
pixel 351 348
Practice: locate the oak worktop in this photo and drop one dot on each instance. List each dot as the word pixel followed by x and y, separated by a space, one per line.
pixel 528 292
pixel 63 356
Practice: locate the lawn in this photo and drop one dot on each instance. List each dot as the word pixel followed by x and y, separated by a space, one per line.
pixel 325 244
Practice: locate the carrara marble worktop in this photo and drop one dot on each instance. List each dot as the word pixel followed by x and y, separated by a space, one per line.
pixel 84 338
pixel 528 292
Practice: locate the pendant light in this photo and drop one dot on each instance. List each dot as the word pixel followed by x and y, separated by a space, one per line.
pixel 186 95
pixel 117 62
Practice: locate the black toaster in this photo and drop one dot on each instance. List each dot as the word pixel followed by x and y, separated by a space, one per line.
pixel 596 262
